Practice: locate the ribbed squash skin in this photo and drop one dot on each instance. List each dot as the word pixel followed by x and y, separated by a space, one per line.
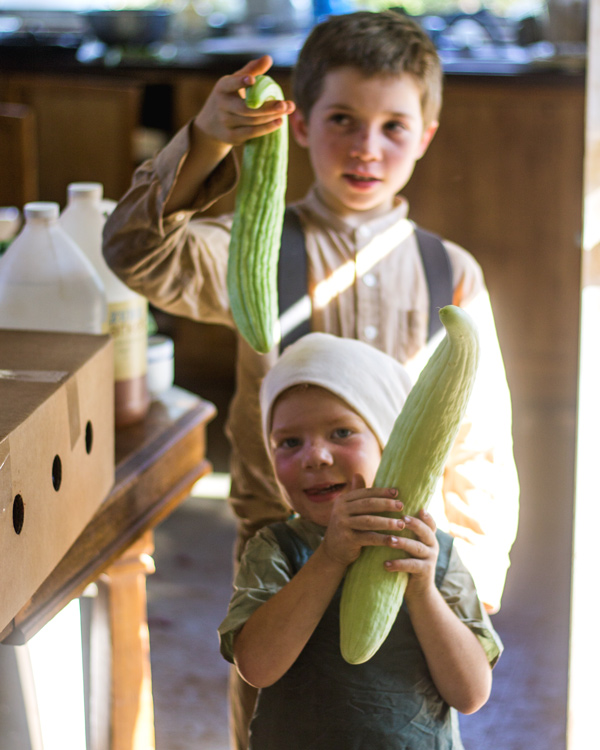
pixel 256 230
pixel 413 461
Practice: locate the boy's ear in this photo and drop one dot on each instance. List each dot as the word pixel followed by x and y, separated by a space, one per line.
pixel 427 137
pixel 299 128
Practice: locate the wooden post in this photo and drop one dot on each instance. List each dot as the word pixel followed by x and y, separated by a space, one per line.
pixel 584 661
pixel 132 708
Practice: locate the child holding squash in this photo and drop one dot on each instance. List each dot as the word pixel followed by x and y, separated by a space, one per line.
pixel 367 95
pixel 325 424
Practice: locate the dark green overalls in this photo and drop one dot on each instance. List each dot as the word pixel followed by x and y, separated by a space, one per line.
pixel 324 703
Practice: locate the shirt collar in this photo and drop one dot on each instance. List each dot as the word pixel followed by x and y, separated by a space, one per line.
pixel 375 225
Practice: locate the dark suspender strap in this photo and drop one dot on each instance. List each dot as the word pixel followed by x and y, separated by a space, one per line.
pixel 292 274
pixel 291 545
pixel 438 273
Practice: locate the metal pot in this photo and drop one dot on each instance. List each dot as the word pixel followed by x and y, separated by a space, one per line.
pixel 129 27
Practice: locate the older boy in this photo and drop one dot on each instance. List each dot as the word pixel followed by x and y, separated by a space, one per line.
pixel 368 91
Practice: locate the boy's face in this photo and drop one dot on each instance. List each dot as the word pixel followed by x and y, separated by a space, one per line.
pixel 318 444
pixel 364 136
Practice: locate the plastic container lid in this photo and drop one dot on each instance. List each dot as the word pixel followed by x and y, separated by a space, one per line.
pixel 160 347
pixel 161 364
pixel 93 190
pixel 41 210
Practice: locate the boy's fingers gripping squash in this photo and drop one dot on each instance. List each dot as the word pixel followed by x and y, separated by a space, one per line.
pixel 358 482
pixel 415 548
pixel 423 527
pixel 253 68
pixel 379 523
pixel 245 77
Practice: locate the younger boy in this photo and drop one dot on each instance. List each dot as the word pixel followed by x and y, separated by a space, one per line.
pixel 329 405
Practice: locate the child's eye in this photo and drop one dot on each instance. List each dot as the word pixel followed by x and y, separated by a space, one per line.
pixel 396 126
pixel 342 432
pixel 340 118
pixel 290 442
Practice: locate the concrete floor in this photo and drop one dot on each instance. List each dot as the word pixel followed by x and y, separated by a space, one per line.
pixel 187 599
pixel 189 592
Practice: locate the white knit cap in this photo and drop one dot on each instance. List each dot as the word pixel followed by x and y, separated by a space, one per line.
pixel 372 383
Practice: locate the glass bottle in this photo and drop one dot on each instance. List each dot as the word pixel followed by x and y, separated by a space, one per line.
pixel 83 219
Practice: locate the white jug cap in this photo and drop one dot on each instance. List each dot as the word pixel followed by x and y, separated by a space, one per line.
pixel 41 210
pixel 93 190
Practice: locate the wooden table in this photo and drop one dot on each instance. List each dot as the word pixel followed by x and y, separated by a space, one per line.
pixel 157 463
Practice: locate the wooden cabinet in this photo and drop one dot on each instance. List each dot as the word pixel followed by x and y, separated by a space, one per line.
pixel 18 155
pixel 504 178
pixel 85 130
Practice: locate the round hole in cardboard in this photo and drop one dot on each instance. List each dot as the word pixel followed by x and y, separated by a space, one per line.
pixel 56 473
pixel 18 514
pixel 89 437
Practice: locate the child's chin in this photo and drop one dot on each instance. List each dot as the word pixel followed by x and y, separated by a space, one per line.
pixel 365 204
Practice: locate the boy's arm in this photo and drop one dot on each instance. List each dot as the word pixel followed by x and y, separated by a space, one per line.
pixel 274 635
pixel 179 263
pixel 223 122
pixel 456 659
pixel 457 662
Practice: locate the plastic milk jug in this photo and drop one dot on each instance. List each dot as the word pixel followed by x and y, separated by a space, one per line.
pixel 83 219
pixel 46 282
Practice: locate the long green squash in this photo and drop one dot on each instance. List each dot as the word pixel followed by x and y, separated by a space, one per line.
pixel 256 230
pixel 412 461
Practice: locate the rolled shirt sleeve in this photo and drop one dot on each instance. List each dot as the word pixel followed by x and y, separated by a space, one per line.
pixel 180 265
pixel 263 571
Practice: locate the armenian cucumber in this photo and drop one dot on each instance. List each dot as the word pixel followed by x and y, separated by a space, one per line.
pixel 412 461
pixel 256 229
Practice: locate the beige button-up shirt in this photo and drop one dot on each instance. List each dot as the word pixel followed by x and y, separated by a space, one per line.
pixel 367 282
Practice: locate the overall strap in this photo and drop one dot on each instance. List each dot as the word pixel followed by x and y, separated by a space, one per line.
pixel 296 551
pixel 438 273
pixel 293 275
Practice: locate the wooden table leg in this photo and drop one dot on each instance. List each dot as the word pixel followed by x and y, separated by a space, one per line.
pixel 132 710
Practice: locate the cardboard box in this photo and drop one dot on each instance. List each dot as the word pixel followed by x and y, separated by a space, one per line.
pixel 57 451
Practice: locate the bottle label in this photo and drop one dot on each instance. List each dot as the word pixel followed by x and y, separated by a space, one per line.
pixel 128 326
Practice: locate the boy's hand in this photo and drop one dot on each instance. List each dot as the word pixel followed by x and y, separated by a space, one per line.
pixel 354 524
pixel 226 119
pixel 423 554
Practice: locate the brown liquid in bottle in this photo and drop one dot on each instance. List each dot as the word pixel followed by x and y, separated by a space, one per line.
pixel 132 401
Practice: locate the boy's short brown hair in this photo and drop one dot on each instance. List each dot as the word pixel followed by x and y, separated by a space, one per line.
pixel 387 42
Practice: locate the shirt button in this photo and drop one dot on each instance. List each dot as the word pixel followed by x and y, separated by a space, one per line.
pixel 363 232
pixel 370 280
pixel 371 332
